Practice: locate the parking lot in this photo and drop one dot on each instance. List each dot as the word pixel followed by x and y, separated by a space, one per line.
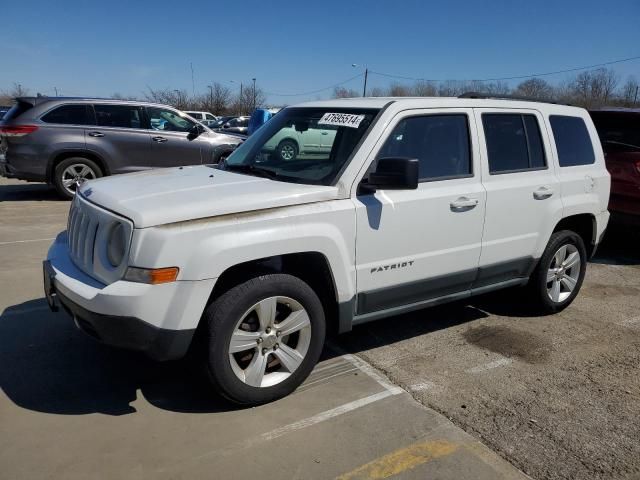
pixel 471 390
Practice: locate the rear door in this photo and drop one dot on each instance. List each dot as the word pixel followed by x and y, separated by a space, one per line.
pixel 414 246
pixel 171 143
pixel 524 201
pixel 119 137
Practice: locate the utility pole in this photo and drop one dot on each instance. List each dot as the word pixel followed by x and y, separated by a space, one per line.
pixel 635 98
pixel 193 83
pixel 254 93
pixel 56 90
pixel 366 74
pixel 210 96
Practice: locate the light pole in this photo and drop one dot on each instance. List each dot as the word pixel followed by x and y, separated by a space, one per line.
pixel 210 96
pixel 366 74
pixel 254 93
pixel 179 101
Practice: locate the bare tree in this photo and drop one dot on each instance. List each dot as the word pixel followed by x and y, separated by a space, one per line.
pixel 219 99
pixel 424 89
pixel 248 100
pixel 592 88
pixel 535 88
pixel 629 92
pixel 342 92
pixel 399 90
pixel 376 92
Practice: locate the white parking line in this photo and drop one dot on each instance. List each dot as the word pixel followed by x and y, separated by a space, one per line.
pixel 502 362
pixel 28 241
pixel 323 416
pixel 368 370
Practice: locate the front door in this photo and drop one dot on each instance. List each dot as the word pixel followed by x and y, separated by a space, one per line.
pixel 170 141
pixel 414 246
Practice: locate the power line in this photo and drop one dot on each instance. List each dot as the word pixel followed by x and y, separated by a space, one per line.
pixel 314 91
pixel 514 77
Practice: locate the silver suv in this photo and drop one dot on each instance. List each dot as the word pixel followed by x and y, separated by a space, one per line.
pixel 65 141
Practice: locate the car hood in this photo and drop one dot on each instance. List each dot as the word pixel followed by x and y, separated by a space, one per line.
pixel 169 195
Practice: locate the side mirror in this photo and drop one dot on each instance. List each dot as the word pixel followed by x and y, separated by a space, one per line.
pixel 395 173
pixel 195 132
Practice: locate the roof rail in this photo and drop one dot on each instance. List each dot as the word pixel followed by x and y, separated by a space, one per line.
pixel 508 97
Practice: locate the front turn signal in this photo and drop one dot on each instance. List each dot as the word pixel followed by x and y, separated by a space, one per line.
pixel 152 276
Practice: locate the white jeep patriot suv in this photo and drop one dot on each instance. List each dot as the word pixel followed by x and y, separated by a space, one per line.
pixel 416 202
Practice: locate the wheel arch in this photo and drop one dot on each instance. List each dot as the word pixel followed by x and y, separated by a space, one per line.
pixel 584 224
pixel 311 267
pixel 63 155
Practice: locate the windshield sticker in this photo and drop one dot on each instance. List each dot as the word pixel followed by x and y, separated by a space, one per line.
pixel 341 119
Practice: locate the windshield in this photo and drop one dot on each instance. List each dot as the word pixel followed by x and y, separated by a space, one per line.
pixel 303 145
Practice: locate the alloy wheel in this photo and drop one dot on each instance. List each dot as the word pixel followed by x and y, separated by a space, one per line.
pixel 270 341
pixel 563 273
pixel 74 175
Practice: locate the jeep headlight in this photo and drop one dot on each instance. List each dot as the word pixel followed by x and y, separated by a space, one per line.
pixel 116 245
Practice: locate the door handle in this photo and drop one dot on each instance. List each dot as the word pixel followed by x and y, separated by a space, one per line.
pixel 325 133
pixel 159 139
pixel 95 134
pixel 543 193
pixel 464 203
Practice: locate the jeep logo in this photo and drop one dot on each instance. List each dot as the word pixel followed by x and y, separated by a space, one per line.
pixel 393 266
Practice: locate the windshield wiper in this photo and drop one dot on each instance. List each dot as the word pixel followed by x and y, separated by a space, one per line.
pixel 252 169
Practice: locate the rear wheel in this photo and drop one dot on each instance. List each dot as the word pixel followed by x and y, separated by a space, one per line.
pixel 265 336
pixel 560 272
pixel 287 150
pixel 72 172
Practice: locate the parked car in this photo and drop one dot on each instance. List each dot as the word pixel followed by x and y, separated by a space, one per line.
pixel 220 122
pixel 236 125
pixel 3 111
pixel 205 118
pixel 65 141
pixel 301 141
pixel 418 201
pixel 619 130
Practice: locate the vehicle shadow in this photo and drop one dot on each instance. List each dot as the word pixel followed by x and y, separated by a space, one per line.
pixel 48 365
pixel 620 245
pixel 28 192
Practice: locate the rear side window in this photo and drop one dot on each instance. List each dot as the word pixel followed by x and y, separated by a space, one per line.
pixel 618 131
pixel 209 116
pixel 124 116
pixel 514 143
pixel 572 141
pixel 196 115
pixel 439 142
pixel 68 115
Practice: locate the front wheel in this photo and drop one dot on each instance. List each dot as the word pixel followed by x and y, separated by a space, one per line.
pixel 287 150
pixel 560 272
pixel 265 337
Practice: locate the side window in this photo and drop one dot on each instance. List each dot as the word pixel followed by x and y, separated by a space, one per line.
pixel 196 115
pixel 168 120
pixel 68 115
pixel 572 141
pixel 439 142
pixel 124 116
pixel 514 142
pixel 619 132
pixel 209 116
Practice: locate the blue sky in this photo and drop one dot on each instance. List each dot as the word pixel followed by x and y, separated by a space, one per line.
pixel 100 48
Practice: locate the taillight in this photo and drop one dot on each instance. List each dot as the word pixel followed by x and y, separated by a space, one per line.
pixel 17 130
pixel 638 166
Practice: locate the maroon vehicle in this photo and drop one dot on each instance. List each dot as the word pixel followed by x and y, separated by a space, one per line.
pixel 619 131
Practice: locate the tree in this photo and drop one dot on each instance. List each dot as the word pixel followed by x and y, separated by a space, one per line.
pixel 629 92
pixel 424 89
pixel 219 99
pixel 535 88
pixel 398 90
pixel 342 92
pixel 247 101
pixel 593 88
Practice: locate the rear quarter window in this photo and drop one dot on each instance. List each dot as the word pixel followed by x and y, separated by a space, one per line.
pixel 17 110
pixel 573 141
pixel 68 115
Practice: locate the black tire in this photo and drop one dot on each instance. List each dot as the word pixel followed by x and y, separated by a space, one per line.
pixel 59 171
pixel 538 284
pixel 287 150
pixel 221 318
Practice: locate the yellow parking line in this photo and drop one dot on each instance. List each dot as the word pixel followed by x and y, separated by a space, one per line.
pixel 402 460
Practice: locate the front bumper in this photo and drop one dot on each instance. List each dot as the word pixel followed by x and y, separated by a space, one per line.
pixel 159 320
